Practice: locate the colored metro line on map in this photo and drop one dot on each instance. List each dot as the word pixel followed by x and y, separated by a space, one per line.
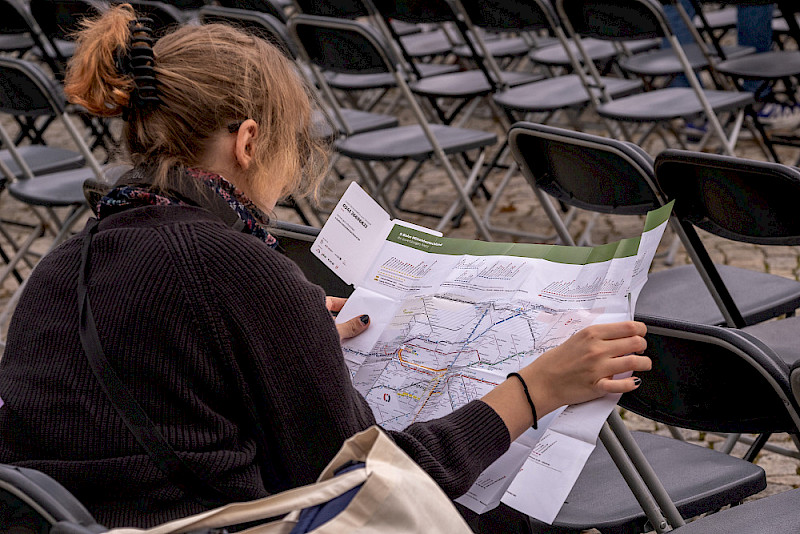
pixel 440 352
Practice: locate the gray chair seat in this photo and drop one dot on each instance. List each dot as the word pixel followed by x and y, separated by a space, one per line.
pixel 720 19
pixel 671 103
pixel 42 159
pixel 679 293
pixel 424 44
pixel 601 497
pixel 65 48
pixel 382 80
pixel 14 42
pixel 559 93
pixel 597 49
pixel 402 28
pixel 410 142
pixel 466 83
pixel 776 514
pixel 664 62
pixel 779 25
pixel 357 122
pixel 781 336
pixel 769 65
pixel 60 189
pixel 360 82
pixel 499 48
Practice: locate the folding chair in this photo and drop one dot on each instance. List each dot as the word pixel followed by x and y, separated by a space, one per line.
pixel 743 200
pixel 15 35
pixel 25 88
pixel 262 6
pixel 17 17
pixel 58 20
pixel 410 47
pixel 165 17
pixel 350 47
pixel 32 502
pixel 730 371
pixel 776 514
pixel 632 19
pixel 609 176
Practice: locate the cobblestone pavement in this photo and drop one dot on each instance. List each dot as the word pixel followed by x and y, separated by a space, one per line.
pixel 518 209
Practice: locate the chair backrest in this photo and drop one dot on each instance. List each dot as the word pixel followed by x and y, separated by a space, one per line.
pixel 13 17
pixel 16 17
pixel 342 46
pixel 187 4
pixel 58 19
pixel 259 23
pixel 262 6
pixel 508 15
pixel 713 379
pixel 164 16
pixel 31 501
pixel 615 19
pixel 25 89
pixel 586 171
pixel 345 9
pixel 415 11
pixel 739 199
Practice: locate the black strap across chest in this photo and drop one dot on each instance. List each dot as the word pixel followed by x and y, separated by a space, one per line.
pixel 121 398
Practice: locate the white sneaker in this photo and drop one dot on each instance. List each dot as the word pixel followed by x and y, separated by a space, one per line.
pixel 785 117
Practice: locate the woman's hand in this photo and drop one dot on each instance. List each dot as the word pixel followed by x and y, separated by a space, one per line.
pixel 578 370
pixel 582 368
pixel 350 328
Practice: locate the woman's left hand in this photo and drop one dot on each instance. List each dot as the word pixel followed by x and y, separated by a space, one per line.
pixel 350 328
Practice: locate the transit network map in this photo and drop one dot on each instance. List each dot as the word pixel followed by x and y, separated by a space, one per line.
pixel 450 318
pixel 440 351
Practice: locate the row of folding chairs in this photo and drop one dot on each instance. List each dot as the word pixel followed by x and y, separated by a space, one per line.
pixel 618 101
pixel 514 94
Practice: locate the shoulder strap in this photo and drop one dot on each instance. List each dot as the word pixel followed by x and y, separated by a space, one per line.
pixel 132 414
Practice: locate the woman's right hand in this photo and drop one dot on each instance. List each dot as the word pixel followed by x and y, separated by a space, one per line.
pixel 580 369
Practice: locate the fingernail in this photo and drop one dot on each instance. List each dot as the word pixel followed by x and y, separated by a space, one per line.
pixel 364 319
pixel 637 381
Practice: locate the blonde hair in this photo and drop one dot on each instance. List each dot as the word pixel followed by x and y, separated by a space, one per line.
pixel 207 77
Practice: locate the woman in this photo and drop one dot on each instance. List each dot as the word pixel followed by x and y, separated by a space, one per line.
pixel 226 346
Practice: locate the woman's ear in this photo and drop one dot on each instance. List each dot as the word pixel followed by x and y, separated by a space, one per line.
pixel 244 147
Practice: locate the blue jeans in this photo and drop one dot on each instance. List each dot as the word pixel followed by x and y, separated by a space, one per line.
pixel 753 28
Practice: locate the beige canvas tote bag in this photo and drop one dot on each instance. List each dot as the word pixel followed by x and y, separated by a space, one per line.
pixel 397 496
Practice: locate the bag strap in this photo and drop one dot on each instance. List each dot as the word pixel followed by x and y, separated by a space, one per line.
pixel 276 505
pixel 132 414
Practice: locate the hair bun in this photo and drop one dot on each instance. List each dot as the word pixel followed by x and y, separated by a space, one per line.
pixel 93 78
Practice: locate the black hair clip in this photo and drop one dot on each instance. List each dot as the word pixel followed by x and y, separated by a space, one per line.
pixel 138 61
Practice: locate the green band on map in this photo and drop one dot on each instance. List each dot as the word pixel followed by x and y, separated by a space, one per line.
pixel 555 253
pixel 657 217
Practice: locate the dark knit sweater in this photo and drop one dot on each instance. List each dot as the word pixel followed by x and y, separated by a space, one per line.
pixel 218 336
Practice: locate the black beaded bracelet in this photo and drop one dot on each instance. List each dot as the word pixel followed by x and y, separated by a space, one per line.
pixel 527 396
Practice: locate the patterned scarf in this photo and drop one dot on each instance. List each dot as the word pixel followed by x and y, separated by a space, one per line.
pixel 130 196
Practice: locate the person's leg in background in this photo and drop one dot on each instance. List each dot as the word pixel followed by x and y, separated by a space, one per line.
pixel 681 31
pixel 754 28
